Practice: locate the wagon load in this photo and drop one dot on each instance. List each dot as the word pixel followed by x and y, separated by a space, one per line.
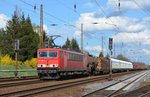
pixel 139 66
pixel 105 65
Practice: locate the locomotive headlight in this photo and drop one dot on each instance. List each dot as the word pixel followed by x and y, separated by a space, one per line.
pixel 53 65
pixel 41 65
pixel 56 65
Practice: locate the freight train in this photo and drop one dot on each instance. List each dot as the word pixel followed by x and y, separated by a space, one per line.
pixel 54 63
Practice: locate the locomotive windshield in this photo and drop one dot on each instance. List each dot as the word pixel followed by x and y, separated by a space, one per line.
pixel 52 54
pixel 43 54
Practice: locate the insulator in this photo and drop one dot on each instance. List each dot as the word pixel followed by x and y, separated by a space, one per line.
pixel 35 7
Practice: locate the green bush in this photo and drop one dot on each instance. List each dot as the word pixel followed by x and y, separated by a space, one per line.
pixel 6 60
pixel 31 63
pixel 7 63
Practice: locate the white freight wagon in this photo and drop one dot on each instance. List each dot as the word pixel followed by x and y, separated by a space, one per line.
pixel 119 64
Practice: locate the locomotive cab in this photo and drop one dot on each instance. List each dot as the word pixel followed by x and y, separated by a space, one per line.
pixel 48 63
pixel 54 63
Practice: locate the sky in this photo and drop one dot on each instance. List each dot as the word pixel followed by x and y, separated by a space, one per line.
pixel 127 22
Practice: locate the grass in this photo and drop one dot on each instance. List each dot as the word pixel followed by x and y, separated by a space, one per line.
pixel 12 74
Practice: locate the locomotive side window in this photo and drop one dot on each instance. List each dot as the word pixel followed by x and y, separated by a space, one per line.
pixel 53 54
pixel 70 56
pixel 75 57
pixel 81 58
pixel 43 54
pixel 61 54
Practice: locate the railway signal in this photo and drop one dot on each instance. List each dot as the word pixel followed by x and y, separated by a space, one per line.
pixel 16 55
pixel 110 43
pixel 110 48
pixel 16 44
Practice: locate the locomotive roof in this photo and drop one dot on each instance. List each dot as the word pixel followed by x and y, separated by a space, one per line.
pixel 71 51
pixel 49 49
pixel 116 60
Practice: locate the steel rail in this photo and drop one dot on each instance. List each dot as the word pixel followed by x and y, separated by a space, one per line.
pixel 140 92
pixel 22 70
pixel 93 92
pixel 114 94
pixel 20 83
pixel 18 78
pixel 147 94
pixel 34 91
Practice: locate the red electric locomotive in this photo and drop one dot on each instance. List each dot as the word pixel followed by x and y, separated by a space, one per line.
pixel 56 62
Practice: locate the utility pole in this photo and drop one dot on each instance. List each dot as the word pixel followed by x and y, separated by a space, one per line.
pixel 121 48
pixel 41 26
pixel 114 51
pixel 82 37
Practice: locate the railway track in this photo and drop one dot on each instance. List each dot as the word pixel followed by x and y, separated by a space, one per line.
pixel 112 90
pixel 145 94
pixel 8 79
pixel 20 83
pixel 39 90
pixel 141 92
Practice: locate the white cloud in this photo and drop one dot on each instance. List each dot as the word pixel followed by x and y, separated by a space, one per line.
pixel 129 4
pixel 3 20
pixel 125 24
pixel 46 28
pixel 88 19
pixel 130 29
pixel 147 52
pixel 133 37
pixel 78 34
pixel 96 49
pixel 89 4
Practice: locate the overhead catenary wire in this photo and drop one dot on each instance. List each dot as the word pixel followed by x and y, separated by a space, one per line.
pixel 26 10
pixel 75 6
pixel 104 14
pixel 36 12
pixel 119 5
pixel 63 21
pixel 143 9
pixel 71 9
pixel 78 14
pixel 74 9
pixel 34 9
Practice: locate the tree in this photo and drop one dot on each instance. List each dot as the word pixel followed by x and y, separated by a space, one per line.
pixel 67 44
pixel 2 42
pixel 71 44
pixel 107 55
pixel 101 54
pixel 12 32
pixel 48 41
pixel 28 40
pixel 21 28
pixel 121 57
pixel 74 45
